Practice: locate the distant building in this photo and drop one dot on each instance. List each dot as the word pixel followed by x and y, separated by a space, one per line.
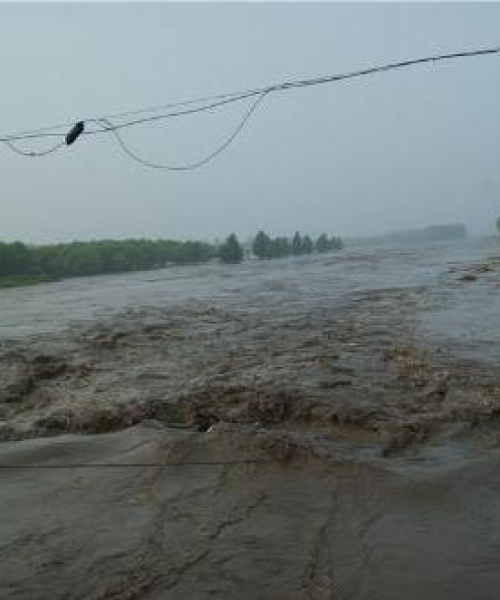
pixel 431 233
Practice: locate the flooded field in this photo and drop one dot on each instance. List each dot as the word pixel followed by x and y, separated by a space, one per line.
pixel 322 427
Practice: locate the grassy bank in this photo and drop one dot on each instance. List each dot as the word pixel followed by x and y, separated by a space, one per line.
pixel 22 280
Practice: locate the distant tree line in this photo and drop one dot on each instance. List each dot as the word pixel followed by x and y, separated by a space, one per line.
pixel 265 247
pixel 58 261
pixel 98 257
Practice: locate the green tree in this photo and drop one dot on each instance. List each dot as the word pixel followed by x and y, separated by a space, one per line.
pixel 261 245
pixel 15 259
pixel 307 245
pixel 275 249
pixel 282 247
pixel 231 250
pixel 322 243
pixel 297 244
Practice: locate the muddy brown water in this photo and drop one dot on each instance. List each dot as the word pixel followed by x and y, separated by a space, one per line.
pixel 359 390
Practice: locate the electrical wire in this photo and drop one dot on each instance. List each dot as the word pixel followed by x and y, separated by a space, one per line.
pixel 185 112
pixel 220 99
pixel 49 131
pixel 31 153
pixel 190 166
pixel 216 101
pixel 43 133
pixel 138 465
pixel 287 85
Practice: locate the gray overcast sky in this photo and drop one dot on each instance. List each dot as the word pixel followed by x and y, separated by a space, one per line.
pixel 399 150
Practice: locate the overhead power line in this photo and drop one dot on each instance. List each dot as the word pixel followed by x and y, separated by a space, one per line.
pixel 135 465
pixel 32 154
pixel 190 166
pixel 51 130
pixel 115 122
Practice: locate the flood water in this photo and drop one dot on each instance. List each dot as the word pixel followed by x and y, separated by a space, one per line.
pixel 468 314
pixel 312 428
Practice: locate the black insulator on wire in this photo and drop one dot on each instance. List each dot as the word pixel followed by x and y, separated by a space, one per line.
pixel 75 133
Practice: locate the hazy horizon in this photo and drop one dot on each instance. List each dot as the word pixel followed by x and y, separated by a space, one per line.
pixel 402 150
